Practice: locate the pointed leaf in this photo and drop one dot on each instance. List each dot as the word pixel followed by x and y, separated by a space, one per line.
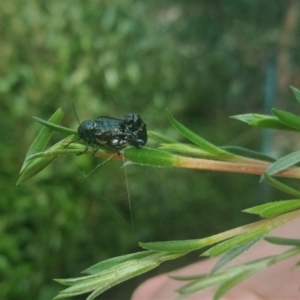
pixel 263 121
pixel 284 163
pixel 247 153
pixel 246 118
pixel 85 285
pixel 43 137
pixel 203 283
pixel 274 208
pixel 287 118
pixel 282 241
pixel 236 241
pixel 52 125
pixel 37 165
pixel 112 262
pixel 34 168
pixel 296 93
pixel 52 153
pixel 229 284
pixel 233 253
pixel 138 270
pixel 281 186
pixel 230 277
pixel 187 149
pixel 113 272
pixel 202 143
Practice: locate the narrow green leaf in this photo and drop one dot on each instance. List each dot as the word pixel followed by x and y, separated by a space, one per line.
pixel 272 123
pixel 43 137
pixel 117 268
pixel 282 241
pixel 230 277
pixel 281 186
pixel 296 93
pixel 114 276
pixel 160 137
pixel 78 280
pixel 85 285
pixel 140 269
pixel 202 143
pixel 52 125
pixel 284 255
pixel 112 262
pixel 188 277
pixel 248 118
pixel 34 168
pixel 263 121
pixel 287 118
pixel 233 253
pixel 201 284
pixel 52 153
pixel 111 272
pixel 228 284
pixel 247 153
pixel 38 164
pixel 208 280
pixel 236 241
pixel 150 157
pixel 73 148
pixel 280 208
pixel 175 246
pixel 187 149
pixel 274 208
pixel 284 163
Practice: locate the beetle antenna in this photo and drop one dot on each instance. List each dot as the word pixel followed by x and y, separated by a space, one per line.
pixel 75 113
pixel 128 193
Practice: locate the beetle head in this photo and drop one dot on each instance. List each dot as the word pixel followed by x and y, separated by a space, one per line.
pixel 86 130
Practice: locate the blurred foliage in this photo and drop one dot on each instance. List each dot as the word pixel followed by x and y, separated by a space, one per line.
pixel 204 60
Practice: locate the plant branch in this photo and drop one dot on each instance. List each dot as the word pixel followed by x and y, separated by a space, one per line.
pixel 222 166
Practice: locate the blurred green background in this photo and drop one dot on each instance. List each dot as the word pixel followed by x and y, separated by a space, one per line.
pixel 203 60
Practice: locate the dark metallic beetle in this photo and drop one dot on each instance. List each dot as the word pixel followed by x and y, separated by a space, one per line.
pixel 116 133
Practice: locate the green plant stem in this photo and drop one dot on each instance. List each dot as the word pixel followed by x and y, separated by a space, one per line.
pixel 279 220
pixel 191 245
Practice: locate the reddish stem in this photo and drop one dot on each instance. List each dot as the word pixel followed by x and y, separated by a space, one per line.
pixel 222 166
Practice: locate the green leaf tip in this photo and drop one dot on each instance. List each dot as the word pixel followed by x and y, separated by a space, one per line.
pixel 281 186
pixel 274 208
pixel 263 121
pixel 236 241
pixel 197 140
pixel 231 282
pixel 287 118
pixel 234 252
pixel 283 241
pixel 30 168
pixel 283 163
pixel 296 93
pixel 43 137
pixel 55 127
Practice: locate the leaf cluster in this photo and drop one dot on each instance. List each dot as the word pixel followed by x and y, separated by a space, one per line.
pixel 200 154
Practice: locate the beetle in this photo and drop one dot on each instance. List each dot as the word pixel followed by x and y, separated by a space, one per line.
pixel 116 133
